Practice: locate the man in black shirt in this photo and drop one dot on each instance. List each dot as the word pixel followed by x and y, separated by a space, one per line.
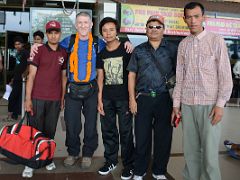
pixel 112 78
pixel 15 98
pixel 149 99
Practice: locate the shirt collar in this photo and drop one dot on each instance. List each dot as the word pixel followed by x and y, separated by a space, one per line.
pixel 162 44
pixel 200 35
pixel 50 49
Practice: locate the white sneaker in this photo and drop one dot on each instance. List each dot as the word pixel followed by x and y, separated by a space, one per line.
pixel 27 172
pixel 136 177
pixel 51 166
pixel 159 177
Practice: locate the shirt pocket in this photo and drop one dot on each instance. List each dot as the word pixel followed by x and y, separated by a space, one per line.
pixel 207 62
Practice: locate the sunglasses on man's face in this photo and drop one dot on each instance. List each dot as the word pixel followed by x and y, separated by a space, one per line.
pixel 156 27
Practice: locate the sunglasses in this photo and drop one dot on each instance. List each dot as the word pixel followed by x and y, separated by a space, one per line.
pixel 157 27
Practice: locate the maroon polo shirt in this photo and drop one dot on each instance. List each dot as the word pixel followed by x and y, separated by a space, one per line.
pixel 48 80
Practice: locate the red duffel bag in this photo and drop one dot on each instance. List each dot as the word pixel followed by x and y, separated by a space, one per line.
pixel 26 145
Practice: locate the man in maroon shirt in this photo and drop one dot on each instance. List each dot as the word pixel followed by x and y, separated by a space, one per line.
pixel 46 86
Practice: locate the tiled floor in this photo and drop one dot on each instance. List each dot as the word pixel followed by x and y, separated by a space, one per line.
pixel 230 168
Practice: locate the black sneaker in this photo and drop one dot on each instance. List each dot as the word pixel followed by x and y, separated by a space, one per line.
pixel 127 173
pixel 106 169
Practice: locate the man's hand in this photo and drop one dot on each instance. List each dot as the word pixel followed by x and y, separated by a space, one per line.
pixel 176 112
pixel 216 115
pixel 100 108
pixel 133 106
pixel 1 67
pixel 34 50
pixel 128 46
pixel 62 104
pixel 28 106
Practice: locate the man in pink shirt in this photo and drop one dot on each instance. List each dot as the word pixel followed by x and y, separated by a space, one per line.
pixel 203 86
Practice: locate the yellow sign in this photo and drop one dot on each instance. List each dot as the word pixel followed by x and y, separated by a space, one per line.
pixel 134 18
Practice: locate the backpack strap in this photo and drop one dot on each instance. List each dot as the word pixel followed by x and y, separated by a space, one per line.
pixel 95 43
pixel 71 42
pixel 70 45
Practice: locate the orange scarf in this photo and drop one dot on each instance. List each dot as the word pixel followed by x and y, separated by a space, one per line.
pixel 74 59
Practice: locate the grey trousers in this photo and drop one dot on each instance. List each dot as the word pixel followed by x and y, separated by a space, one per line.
pixel 200 143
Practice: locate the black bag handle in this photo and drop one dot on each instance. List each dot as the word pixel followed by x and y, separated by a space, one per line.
pixel 20 124
pixel 26 114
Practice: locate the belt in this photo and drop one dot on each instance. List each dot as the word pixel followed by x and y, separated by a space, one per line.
pixel 84 83
pixel 152 94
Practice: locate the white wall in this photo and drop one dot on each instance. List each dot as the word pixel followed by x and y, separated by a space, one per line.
pixel 105 9
pixel 13 22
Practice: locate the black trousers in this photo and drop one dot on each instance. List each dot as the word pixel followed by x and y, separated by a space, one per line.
pixel 153 113
pixel 72 116
pixel 45 116
pixel 110 132
pixel 15 99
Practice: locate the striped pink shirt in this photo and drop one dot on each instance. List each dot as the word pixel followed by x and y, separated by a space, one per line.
pixel 203 71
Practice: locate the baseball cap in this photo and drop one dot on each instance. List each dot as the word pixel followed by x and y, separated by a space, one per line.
pixel 53 25
pixel 156 17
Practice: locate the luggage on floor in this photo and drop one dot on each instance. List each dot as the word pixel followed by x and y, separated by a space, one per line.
pixel 26 145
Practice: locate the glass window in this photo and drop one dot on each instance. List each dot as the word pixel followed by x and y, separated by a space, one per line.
pixel 233 46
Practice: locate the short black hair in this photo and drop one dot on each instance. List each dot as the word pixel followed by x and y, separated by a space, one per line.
pixel 192 5
pixel 38 33
pixel 18 39
pixel 108 20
